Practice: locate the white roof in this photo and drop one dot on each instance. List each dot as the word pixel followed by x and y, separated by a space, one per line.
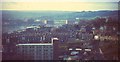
pixel 34 44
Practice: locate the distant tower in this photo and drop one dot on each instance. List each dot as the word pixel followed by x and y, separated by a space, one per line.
pixel 66 21
pixel 45 21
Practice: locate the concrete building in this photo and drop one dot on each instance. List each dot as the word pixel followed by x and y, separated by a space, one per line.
pixel 36 51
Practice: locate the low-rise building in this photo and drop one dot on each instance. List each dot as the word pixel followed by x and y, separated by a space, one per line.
pixel 36 51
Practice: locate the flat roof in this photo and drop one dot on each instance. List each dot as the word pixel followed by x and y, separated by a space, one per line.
pixel 34 44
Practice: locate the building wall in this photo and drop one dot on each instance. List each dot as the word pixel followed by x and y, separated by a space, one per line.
pixel 36 52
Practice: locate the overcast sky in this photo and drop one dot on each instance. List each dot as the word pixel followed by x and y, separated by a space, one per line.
pixel 61 0
pixel 60 6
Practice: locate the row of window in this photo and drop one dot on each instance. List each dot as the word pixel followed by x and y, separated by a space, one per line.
pixel 42 46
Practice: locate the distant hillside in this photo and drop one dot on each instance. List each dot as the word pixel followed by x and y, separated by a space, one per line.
pixel 91 14
pixel 57 14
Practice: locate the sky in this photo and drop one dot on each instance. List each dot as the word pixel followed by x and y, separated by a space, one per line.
pixel 60 5
pixel 60 0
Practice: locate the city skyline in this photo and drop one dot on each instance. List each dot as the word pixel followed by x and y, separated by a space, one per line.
pixel 59 30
